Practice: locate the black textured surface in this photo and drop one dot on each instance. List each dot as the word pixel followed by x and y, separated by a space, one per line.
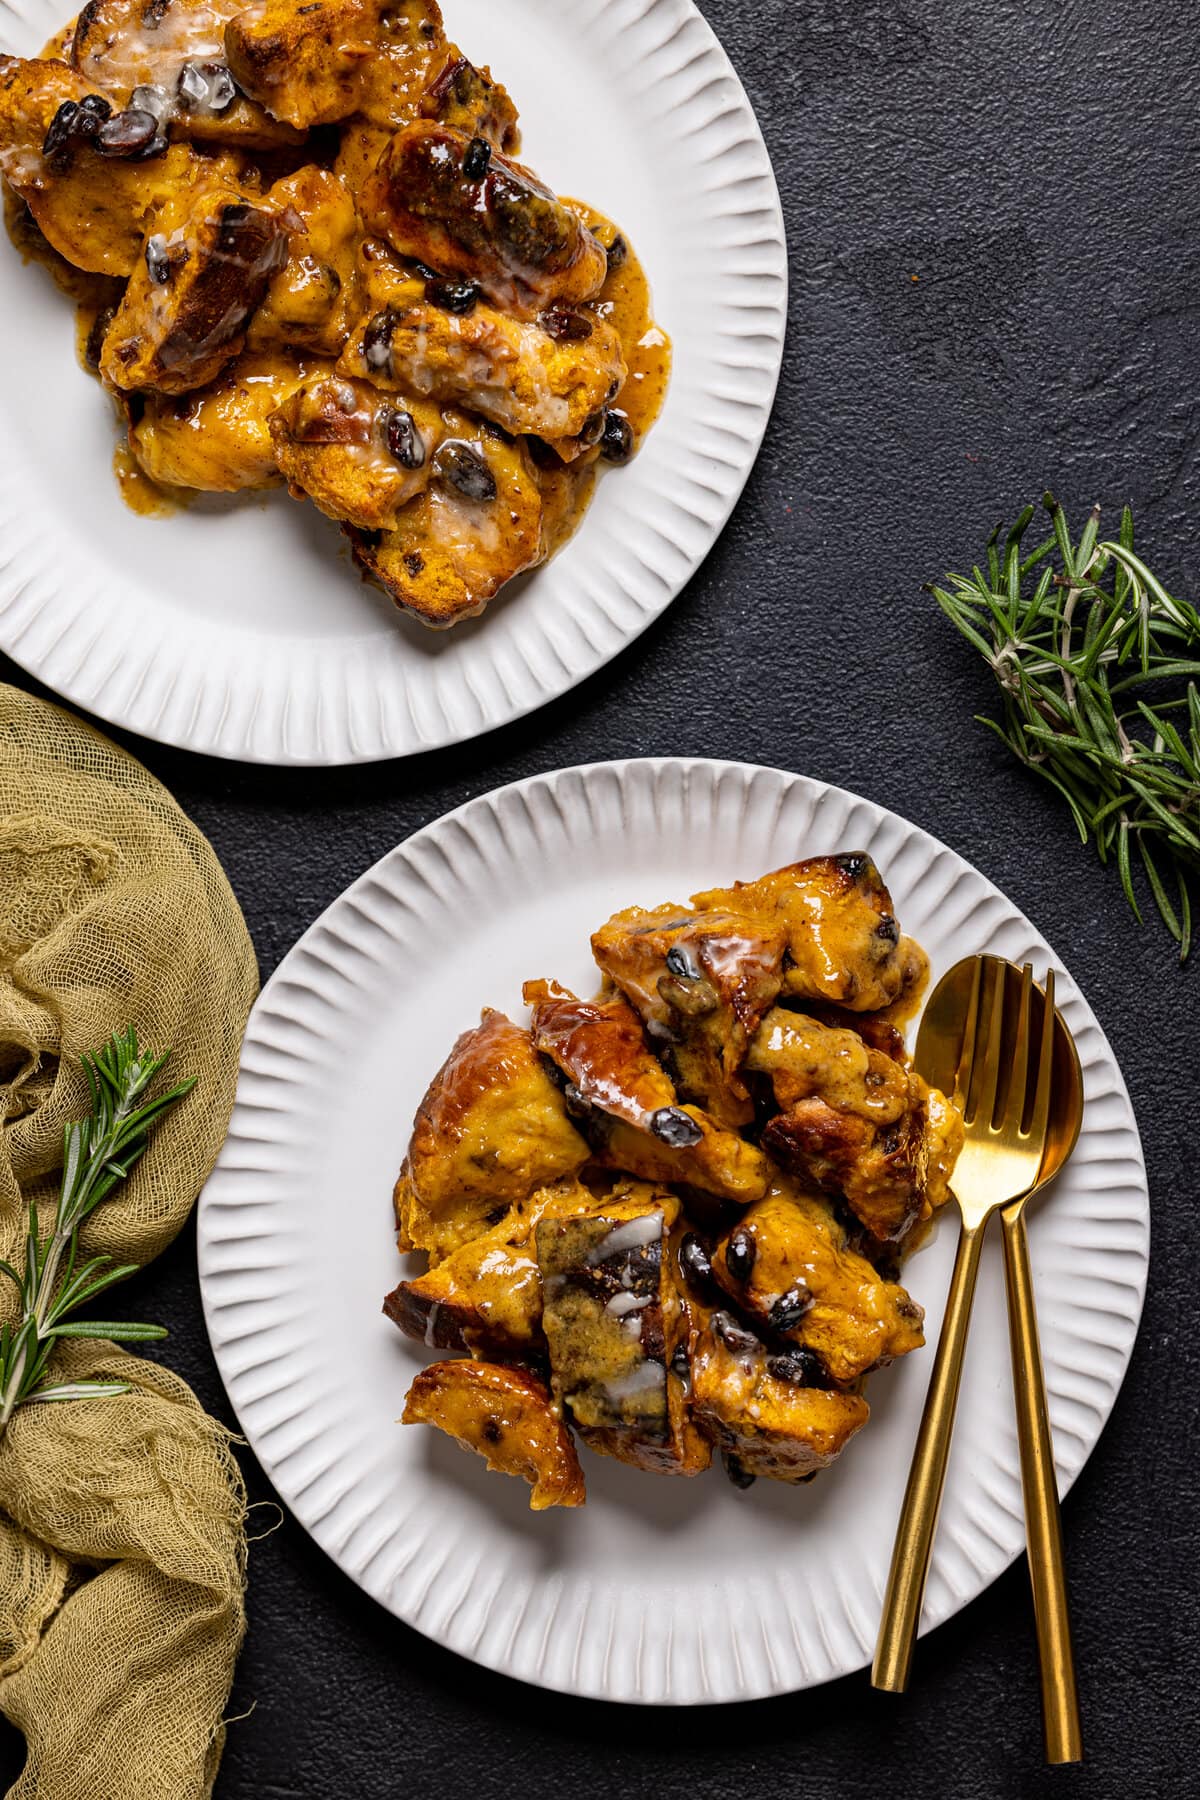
pixel 992 213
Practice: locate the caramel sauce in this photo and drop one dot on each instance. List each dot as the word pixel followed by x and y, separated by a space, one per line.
pixel 140 494
pixel 58 47
pixel 624 301
pixel 907 1004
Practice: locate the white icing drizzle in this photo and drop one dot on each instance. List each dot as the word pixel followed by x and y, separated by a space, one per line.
pixel 632 1235
pixel 623 1303
pixel 647 1375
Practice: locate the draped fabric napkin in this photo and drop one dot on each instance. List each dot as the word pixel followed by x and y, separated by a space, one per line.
pixel 122 1520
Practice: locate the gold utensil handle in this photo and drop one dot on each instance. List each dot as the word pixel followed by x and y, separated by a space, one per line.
pixel 1060 1701
pixel 926 1477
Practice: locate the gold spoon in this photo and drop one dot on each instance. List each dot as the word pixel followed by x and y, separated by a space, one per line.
pixel 936 1059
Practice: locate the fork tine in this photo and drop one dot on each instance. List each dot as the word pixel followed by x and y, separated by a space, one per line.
pixel 1045 1073
pixel 1019 1075
pixel 966 1052
pixel 985 1069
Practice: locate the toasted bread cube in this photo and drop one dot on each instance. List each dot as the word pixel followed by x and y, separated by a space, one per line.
pixel 787 1265
pixel 612 1319
pixel 491 1129
pixel 477 523
pixel 93 209
pixel 512 372
pixel 843 941
pixel 762 1423
pixel 312 299
pixel 627 1102
pixel 469 99
pixel 313 62
pixel 216 439
pixel 176 48
pixel 507 1417
pixel 205 268
pixel 432 197
pixel 356 453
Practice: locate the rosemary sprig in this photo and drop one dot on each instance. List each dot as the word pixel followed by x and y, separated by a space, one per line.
pixel 1097 665
pixel 98 1153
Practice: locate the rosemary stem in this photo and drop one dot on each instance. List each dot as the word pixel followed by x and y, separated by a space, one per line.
pixel 47 1282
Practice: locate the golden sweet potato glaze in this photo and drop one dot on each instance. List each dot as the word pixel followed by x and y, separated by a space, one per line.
pixel 306 253
pixel 679 1207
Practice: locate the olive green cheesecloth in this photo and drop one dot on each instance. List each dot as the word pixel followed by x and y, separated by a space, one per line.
pixel 122 1519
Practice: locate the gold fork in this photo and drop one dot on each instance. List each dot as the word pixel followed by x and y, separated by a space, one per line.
pixel 1002 1084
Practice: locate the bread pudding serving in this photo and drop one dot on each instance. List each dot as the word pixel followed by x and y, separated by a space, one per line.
pixel 305 252
pixel 669 1220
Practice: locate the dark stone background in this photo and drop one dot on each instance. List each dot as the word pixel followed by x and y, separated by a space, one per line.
pixel 1034 165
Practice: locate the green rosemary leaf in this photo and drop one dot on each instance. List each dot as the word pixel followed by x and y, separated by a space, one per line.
pixel 1160 893
pixel 98 1153
pixel 1185 920
pixel 106 1328
pixel 1123 864
pixel 1097 664
pixel 80 1390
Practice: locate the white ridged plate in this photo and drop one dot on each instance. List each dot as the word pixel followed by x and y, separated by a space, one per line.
pixel 657 1590
pixel 242 629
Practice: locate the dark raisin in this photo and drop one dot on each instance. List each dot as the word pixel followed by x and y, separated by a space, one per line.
pixel 94 109
pixel 153 13
pixel 154 99
pixel 465 469
pixel 158 259
pixel 790 1308
pixel 377 341
pixel 304 11
pixel 853 864
pixel 222 89
pixel 888 930
pixel 233 218
pixel 799 1367
pixel 133 132
pixel 404 441
pixel 492 1431
pixel 617 253
pixel 207 87
pixel 682 962
pixel 191 86
pixel 732 1335
pixel 740 1477
pixel 477 159
pixel 694 1260
pixel 543 454
pixel 616 440
pixel 414 562
pixel 60 133
pixel 566 324
pixel 97 335
pixel 593 430
pixel 740 1252
pixel 674 1127
pixel 452 296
